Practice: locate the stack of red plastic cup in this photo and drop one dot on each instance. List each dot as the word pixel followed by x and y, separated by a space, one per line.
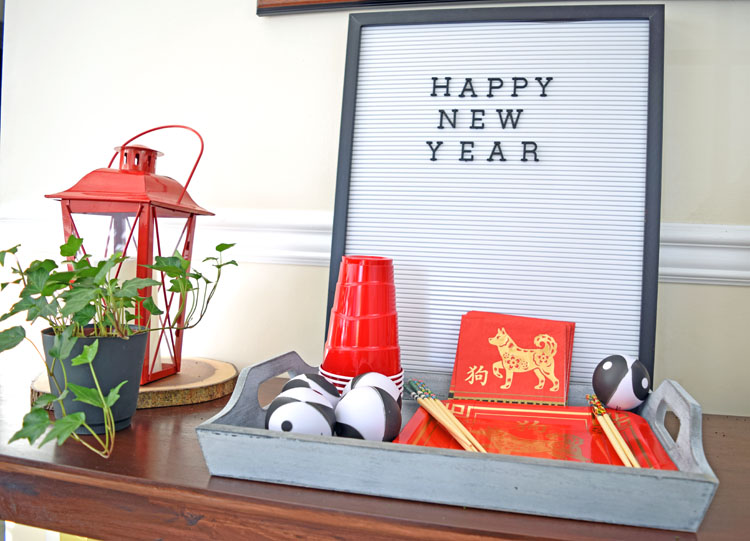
pixel 363 329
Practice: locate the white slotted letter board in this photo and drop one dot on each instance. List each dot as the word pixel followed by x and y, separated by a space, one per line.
pixel 558 238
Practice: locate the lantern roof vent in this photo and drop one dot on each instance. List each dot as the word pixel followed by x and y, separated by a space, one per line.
pixel 134 181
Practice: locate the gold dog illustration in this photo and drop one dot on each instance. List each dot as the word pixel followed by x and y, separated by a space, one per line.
pixel 514 359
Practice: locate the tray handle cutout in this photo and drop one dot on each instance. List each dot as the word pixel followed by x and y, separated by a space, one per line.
pixel 687 450
pixel 243 408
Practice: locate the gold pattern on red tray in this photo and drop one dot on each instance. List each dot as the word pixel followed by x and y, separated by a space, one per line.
pixel 553 432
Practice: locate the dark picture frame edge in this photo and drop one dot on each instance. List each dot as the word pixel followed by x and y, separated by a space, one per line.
pixel 654 13
pixel 280 7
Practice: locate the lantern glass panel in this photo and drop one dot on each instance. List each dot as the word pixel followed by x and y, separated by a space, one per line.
pixel 105 234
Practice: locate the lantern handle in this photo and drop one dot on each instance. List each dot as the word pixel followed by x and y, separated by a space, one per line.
pixel 200 154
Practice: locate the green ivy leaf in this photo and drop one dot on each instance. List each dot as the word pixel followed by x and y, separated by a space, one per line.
pixel 10 338
pixel 130 287
pixel 223 246
pixel 179 284
pixel 77 298
pixel 86 395
pixel 34 424
pixel 232 262
pixel 87 355
pixel 62 277
pixel 107 320
pixel 51 287
pixel 63 344
pixel 71 246
pixel 114 394
pixel 83 268
pixel 6 284
pixel 38 274
pixel 47 398
pixel 150 305
pixel 58 280
pixel 63 428
pixel 171 266
pixel 24 304
pixel 104 267
pixel 84 315
pixel 8 251
pixel 44 308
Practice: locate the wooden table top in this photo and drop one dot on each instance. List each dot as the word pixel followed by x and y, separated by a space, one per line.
pixel 156 486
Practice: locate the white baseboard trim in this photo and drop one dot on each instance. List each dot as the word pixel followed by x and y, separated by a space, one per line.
pixel 689 253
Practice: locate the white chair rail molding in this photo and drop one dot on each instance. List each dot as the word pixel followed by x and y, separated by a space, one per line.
pixel 712 254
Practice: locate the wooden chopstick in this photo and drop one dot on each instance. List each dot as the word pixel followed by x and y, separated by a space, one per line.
pixel 444 416
pixel 613 435
pixel 459 425
pixel 445 422
pixel 621 440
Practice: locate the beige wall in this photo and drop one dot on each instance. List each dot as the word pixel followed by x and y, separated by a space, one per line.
pixel 82 75
pixel 706 164
pixel 701 342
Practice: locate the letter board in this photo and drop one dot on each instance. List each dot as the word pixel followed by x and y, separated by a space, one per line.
pixel 508 160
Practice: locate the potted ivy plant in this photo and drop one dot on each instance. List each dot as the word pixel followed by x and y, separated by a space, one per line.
pixel 93 351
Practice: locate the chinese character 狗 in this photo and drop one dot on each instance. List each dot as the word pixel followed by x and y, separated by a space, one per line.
pixel 477 374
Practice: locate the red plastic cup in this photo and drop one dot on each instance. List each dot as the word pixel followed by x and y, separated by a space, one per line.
pixel 363 327
pixel 353 361
pixel 340 382
pixel 376 331
pixel 357 269
pixel 365 299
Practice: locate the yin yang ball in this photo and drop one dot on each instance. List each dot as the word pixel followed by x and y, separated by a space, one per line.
pixel 368 413
pixel 301 410
pixel 374 379
pixel 316 382
pixel 621 382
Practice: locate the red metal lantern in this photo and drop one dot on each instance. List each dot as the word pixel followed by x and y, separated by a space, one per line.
pixel 133 199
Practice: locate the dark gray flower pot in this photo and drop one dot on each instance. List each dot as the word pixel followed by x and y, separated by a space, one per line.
pixel 117 360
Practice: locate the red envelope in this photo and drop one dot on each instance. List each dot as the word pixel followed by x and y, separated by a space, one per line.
pixel 503 358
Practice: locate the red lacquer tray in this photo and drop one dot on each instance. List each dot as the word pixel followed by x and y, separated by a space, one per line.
pixel 556 432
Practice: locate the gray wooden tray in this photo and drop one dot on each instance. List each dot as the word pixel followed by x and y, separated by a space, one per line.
pixel 234 444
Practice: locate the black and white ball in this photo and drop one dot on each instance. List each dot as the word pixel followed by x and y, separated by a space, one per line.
pixel 301 410
pixel 621 382
pixel 374 379
pixel 368 413
pixel 316 382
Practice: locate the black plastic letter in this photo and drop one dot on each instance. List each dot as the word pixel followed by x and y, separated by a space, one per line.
pixel 543 85
pixel 497 150
pixel 468 86
pixel 477 119
pixel 446 86
pixel 518 86
pixel 492 81
pixel 444 115
pixel 531 150
pixel 434 149
pixel 466 147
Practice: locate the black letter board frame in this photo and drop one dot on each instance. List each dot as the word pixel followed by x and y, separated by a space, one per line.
pixel 417 313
